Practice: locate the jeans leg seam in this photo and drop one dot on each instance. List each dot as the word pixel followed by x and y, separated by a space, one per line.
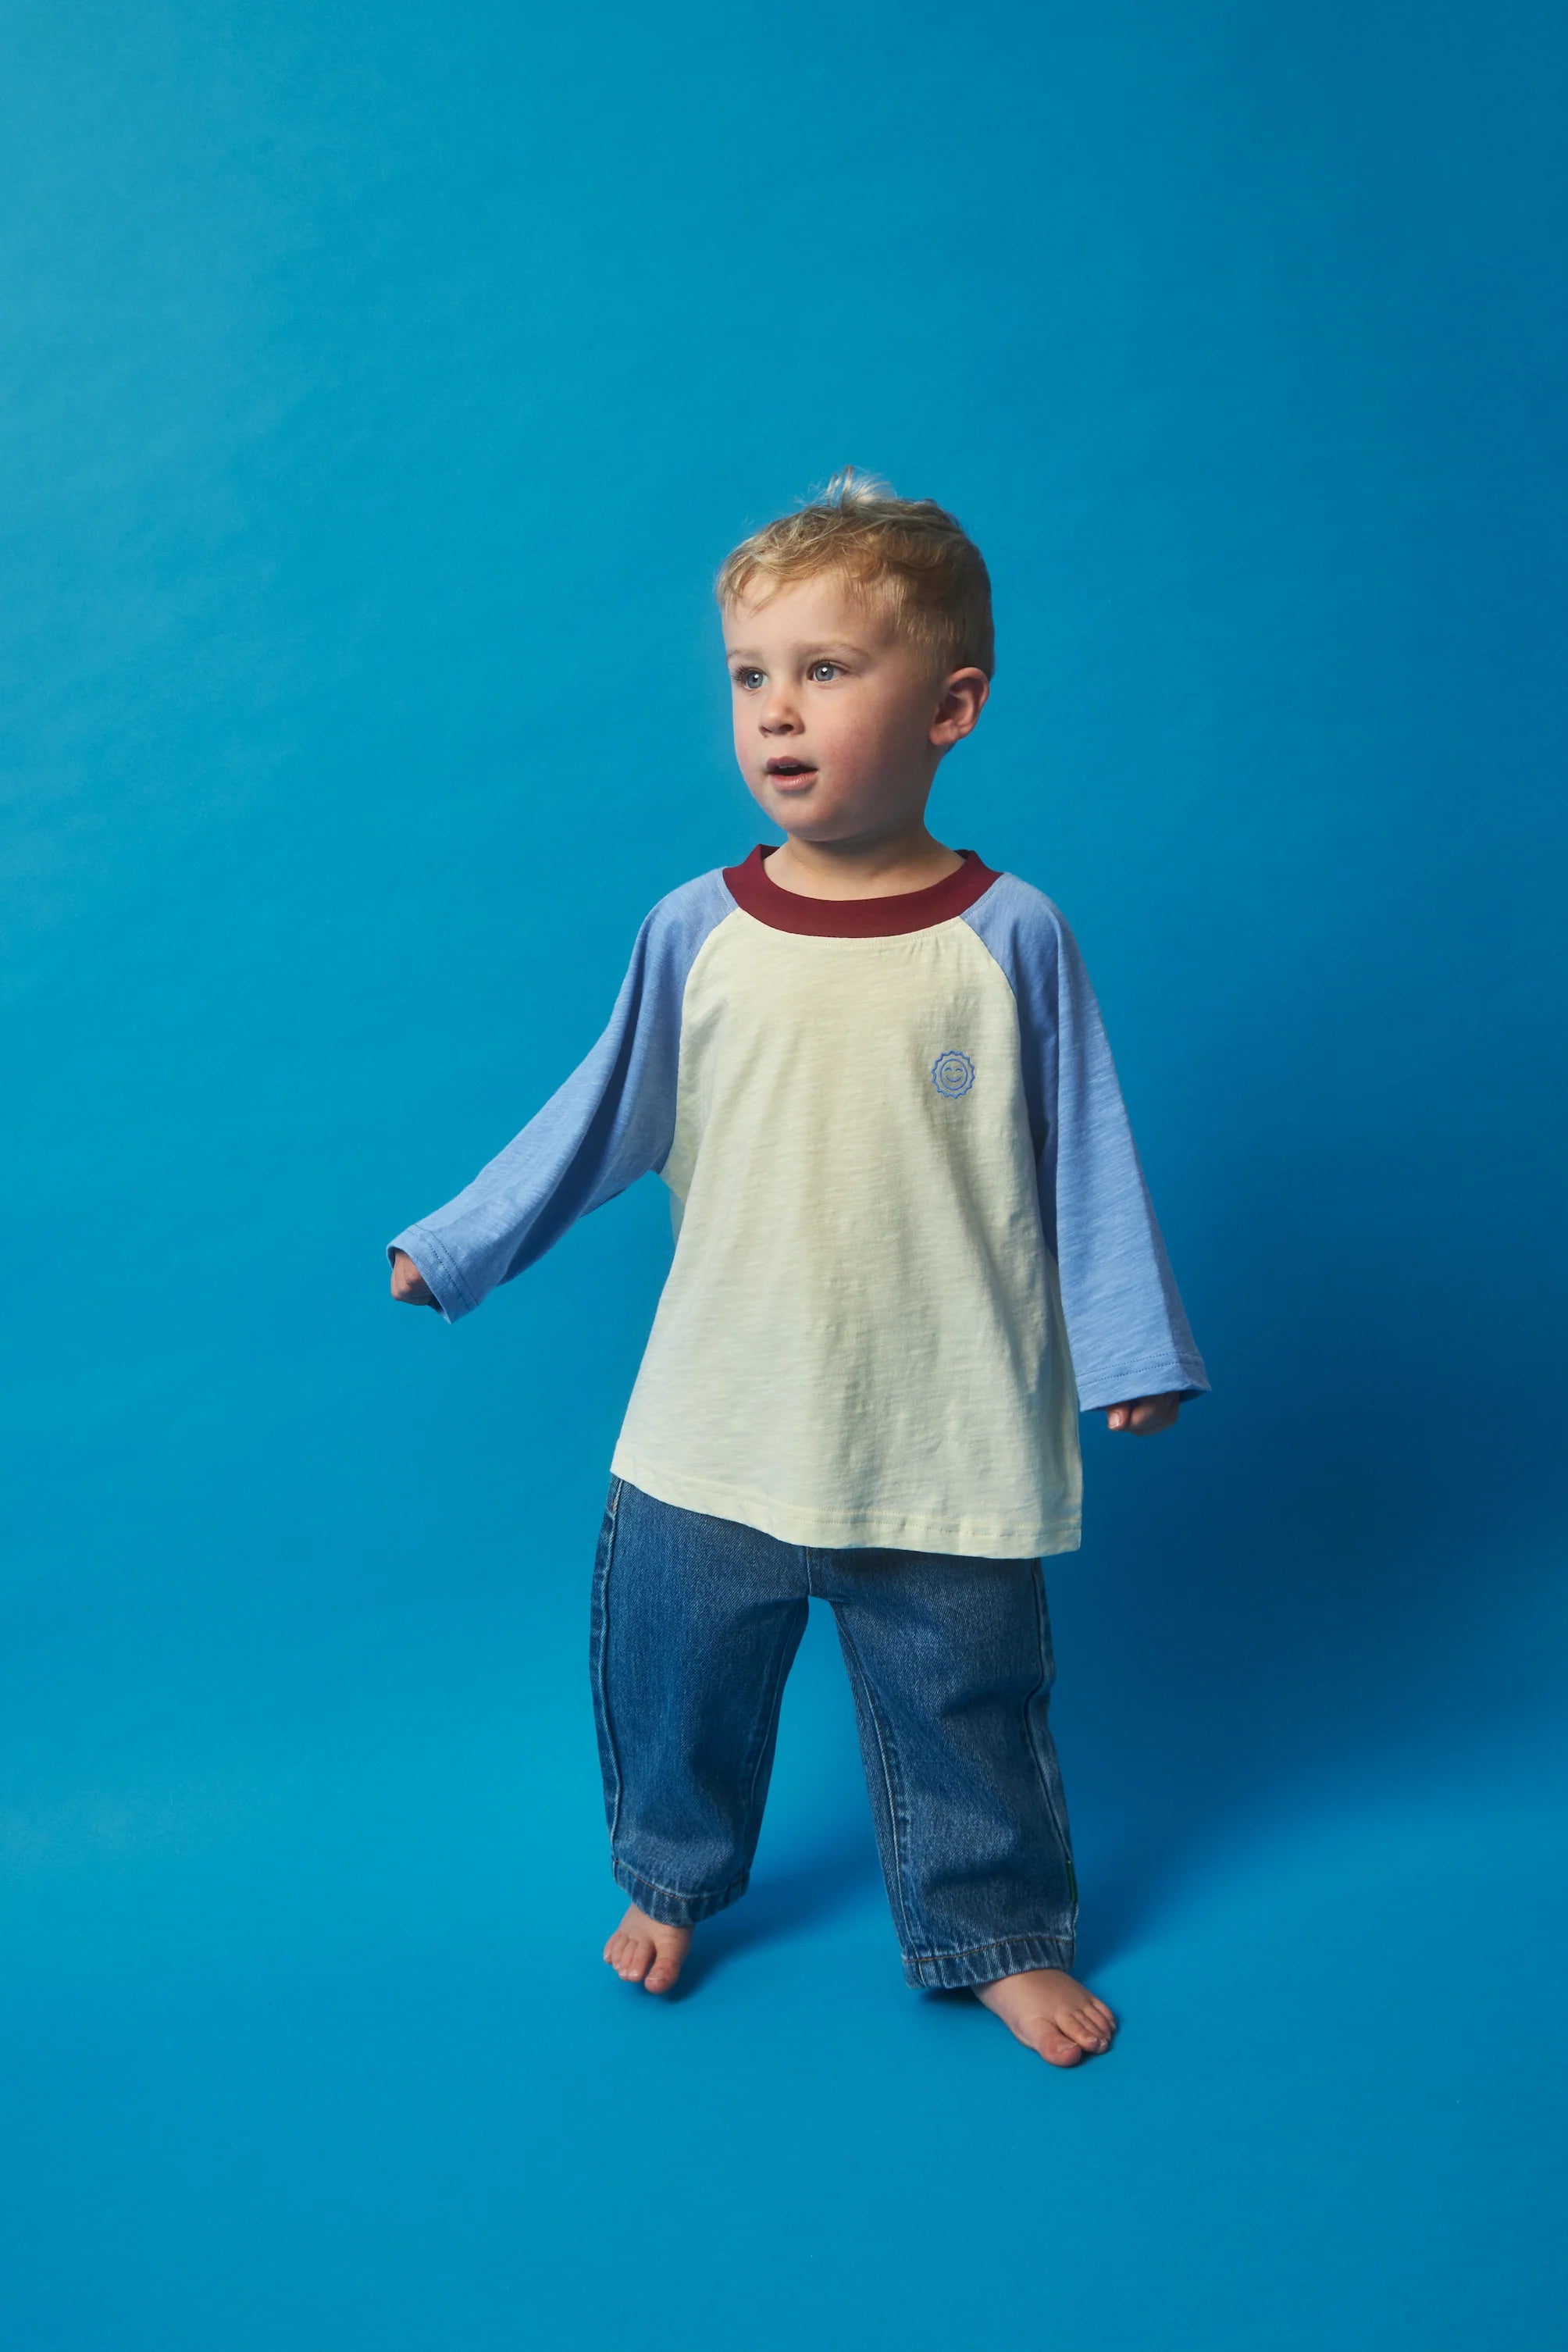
pixel 883 1751
pixel 769 1718
pixel 1057 1821
pixel 601 1647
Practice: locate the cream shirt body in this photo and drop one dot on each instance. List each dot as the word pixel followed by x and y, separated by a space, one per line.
pixel 860 1340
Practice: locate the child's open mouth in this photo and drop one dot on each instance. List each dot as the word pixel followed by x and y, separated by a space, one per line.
pixel 786 772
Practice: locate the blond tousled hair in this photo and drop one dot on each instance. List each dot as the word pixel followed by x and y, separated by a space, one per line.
pixel 909 556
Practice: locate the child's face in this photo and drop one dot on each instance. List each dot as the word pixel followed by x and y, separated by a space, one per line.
pixel 839 722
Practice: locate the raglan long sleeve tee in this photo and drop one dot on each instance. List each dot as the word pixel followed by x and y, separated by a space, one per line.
pixel 912 1235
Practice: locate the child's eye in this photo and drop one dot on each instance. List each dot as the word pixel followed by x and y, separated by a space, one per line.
pixel 748 678
pixel 817 669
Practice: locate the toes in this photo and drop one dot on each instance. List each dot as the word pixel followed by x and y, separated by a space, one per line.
pixel 1056 2048
pixel 667 1964
pixel 1092 2012
pixel 649 1959
pixel 638 1962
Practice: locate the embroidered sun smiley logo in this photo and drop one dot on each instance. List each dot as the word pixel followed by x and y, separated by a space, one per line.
pixel 953 1074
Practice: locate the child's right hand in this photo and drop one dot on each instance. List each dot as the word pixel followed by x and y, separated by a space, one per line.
pixel 1144 1415
pixel 409 1284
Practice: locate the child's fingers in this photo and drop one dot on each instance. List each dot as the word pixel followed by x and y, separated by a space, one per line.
pixel 1141 1414
pixel 409 1286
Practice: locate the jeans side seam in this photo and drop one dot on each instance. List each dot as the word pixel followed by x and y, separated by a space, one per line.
pixel 1057 1821
pixel 601 1648
pixel 883 1751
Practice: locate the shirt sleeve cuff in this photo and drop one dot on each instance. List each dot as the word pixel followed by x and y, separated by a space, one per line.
pixel 1183 1378
pixel 441 1277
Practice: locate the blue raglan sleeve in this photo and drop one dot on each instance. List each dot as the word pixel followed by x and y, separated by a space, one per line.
pixel 611 1122
pixel 1127 1329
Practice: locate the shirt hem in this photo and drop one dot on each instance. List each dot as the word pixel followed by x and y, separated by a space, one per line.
pixel 828 1530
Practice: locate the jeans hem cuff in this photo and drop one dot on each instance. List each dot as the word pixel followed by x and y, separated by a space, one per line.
pixel 672 1910
pixel 983 1963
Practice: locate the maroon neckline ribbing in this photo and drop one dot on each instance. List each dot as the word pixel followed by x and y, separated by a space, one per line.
pixel 754 890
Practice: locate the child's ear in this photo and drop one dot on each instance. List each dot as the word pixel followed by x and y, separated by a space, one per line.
pixel 964 697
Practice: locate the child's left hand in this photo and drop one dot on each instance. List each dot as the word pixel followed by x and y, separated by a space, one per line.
pixel 1144 1415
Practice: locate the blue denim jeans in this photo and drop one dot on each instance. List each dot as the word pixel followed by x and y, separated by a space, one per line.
pixel 695 1625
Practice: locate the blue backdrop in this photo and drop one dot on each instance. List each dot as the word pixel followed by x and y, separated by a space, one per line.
pixel 384 384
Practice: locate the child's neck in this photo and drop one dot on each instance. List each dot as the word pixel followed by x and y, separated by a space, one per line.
pixel 872 865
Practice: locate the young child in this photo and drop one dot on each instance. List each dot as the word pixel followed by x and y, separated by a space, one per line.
pixel 912 1243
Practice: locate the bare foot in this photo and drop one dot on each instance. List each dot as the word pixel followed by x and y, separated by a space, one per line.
pixel 1051 2012
pixel 645 1951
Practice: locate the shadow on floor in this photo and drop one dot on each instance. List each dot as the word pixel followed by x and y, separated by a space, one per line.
pixel 790 1899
